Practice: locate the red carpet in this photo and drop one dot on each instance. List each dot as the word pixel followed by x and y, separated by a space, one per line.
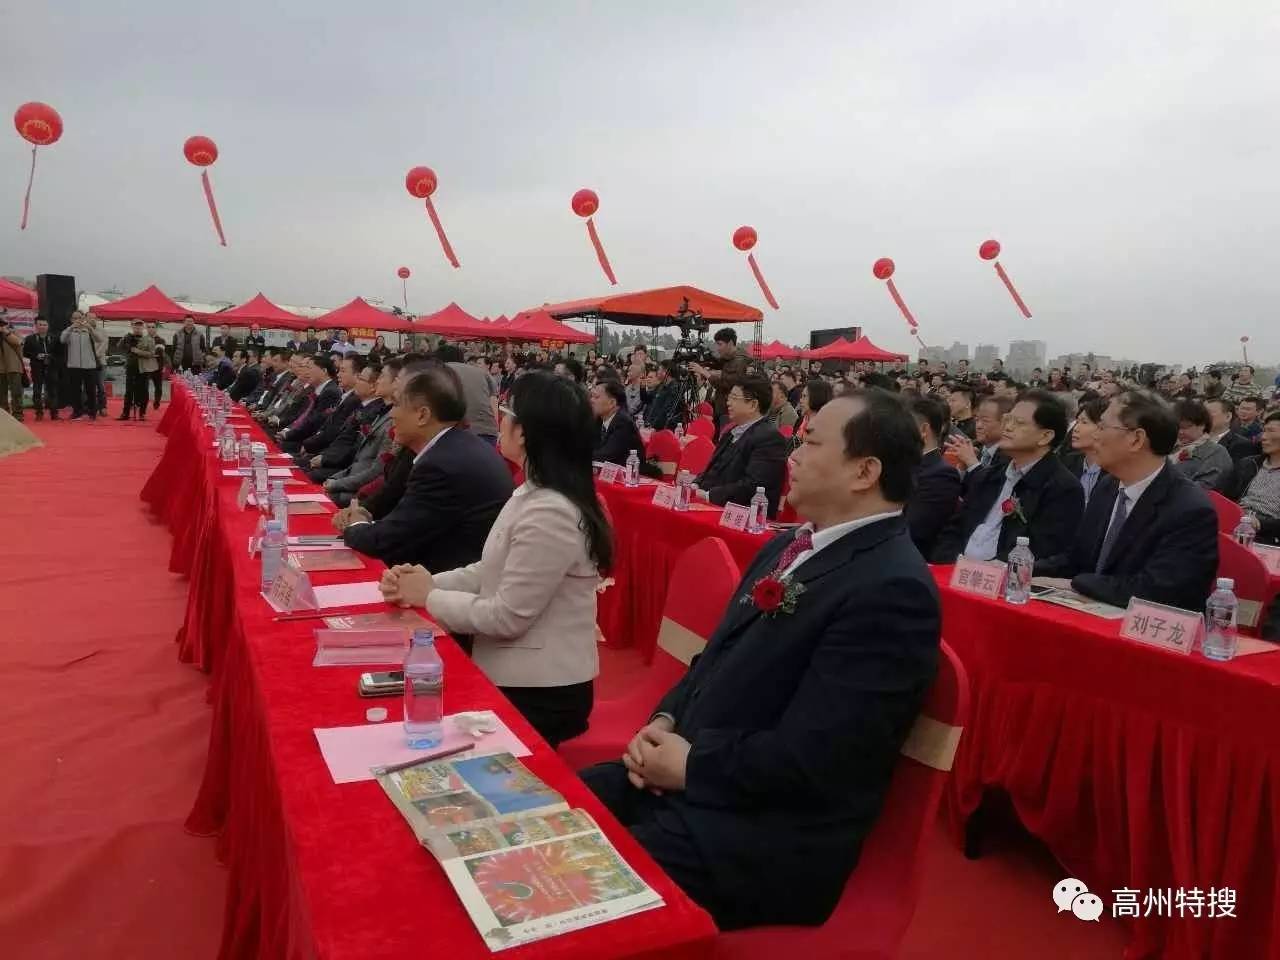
pixel 102 732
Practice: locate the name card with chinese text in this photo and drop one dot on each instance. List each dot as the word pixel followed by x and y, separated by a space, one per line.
pixel 664 495
pixel 1270 557
pixel 735 516
pixel 242 497
pixel 982 577
pixel 610 472
pixel 291 590
pixel 1160 626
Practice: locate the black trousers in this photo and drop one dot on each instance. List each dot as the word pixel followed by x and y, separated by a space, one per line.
pixel 157 380
pixel 83 388
pixel 663 834
pixel 557 713
pixel 135 392
pixel 44 388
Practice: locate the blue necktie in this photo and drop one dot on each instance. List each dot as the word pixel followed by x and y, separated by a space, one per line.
pixel 1113 531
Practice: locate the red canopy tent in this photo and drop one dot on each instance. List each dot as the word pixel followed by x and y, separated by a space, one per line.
pixel 540 325
pixel 777 350
pixel 453 322
pixel 150 304
pixel 860 349
pixel 17 297
pixel 262 311
pixel 657 307
pixel 359 315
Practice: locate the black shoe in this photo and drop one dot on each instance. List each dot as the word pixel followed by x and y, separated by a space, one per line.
pixel 77 416
pixel 157 405
pixel 54 415
pixel 123 416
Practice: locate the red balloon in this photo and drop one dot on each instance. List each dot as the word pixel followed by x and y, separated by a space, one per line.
pixel 883 268
pixel 403 273
pixel 38 123
pixel 989 250
pixel 200 150
pixel 421 182
pixel 585 202
pixel 744 238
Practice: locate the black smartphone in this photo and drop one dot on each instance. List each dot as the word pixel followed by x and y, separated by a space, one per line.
pixel 385 683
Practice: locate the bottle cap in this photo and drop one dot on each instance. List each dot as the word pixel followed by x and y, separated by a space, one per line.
pixel 376 714
pixel 1226 583
pixel 423 636
pixel 1024 541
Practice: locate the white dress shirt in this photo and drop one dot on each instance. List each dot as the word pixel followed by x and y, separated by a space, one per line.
pixel 825 538
pixel 430 443
pixel 984 542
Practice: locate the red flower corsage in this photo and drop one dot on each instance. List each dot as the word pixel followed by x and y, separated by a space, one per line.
pixel 772 595
pixel 1012 507
pixel 1184 456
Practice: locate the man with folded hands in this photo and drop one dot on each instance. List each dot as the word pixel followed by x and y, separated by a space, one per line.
pixel 762 771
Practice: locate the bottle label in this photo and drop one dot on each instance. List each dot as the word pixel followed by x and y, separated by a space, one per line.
pixel 1161 626
pixel 242 497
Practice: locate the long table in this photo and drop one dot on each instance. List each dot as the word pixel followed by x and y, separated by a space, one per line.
pixel 317 869
pixel 1139 768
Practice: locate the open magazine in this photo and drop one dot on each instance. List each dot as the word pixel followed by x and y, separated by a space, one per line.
pixel 524 864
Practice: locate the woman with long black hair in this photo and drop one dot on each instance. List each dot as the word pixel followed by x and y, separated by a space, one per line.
pixel 530 602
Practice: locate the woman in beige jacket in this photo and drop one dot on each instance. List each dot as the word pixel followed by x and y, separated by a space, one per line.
pixel 531 600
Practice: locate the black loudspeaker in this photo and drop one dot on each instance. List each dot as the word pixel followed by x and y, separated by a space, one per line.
pixel 57 300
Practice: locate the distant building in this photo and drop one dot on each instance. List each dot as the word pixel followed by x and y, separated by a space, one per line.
pixel 1025 356
pixel 955 353
pixel 933 354
pixel 984 356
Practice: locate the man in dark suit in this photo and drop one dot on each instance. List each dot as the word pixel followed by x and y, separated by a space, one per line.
pixel 324 396
pixel 225 341
pixel 248 375
pixel 751 452
pixel 336 419
pixel 1149 532
pixel 374 438
pixel 1221 414
pixel 456 489
pixel 1033 496
pixel 618 435
pixel 984 449
pixel 340 452
pixel 937 483
pixel 762 771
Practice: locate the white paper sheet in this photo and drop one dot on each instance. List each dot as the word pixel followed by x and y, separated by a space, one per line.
pixel 348 594
pixel 308 498
pixel 349 752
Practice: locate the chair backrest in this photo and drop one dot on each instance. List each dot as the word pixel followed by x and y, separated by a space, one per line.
pixel 705 409
pixel 879 900
pixel 702 427
pixel 664 448
pixel 1252 580
pixel 1229 512
pixel 698 591
pixel 696 455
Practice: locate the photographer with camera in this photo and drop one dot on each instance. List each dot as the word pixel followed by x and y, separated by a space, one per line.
pixel 41 352
pixel 732 369
pixel 82 340
pixel 11 370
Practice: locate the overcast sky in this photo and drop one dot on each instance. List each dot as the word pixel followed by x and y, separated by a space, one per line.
pixel 1125 155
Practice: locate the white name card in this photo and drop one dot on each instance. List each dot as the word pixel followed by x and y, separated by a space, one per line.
pixel 609 472
pixel 664 495
pixel 1160 626
pixel 735 516
pixel 291 590
pixel 982 577
pixel 1270 557
pixel 242 497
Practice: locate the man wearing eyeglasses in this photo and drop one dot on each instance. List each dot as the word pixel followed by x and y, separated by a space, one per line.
pixel 1148 532
pixel 751 453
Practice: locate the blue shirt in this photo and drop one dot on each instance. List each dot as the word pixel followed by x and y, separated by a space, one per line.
pixel 1089 479
pixel 984 542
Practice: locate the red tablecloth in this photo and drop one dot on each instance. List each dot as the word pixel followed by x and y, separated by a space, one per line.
pixel 1138 768
pixel 648 541
pixel 317 869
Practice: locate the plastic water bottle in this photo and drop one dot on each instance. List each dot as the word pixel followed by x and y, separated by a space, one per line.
pixel 684 490
pixel 423 692
pixel 1017 583
pixel 633 469
pixel 280 506
pixel 1220 621
pixel 275 553
pixel 679 431
pixel 1246 530
pixel 227 444
pixel 260 477
pixel 245 452
pixel 639 421
pixel 758 515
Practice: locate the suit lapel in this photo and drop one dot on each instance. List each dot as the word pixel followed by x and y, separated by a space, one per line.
pixel 1142 516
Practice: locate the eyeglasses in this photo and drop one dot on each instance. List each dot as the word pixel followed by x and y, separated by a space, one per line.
pixel 1116 426
pixel 735 396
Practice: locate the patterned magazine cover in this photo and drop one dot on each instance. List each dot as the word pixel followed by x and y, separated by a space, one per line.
pixel 318 560
pixel 408 619
pixel 525 893
pixel 455 792
pixel 499 833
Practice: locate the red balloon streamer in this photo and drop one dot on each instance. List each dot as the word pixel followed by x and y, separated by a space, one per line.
pixel 444 241
pixel 213 207
pixel 897 298
pixel 764 287
pixel 405 286
pixel 600 254
pixel 26 201
pixel 1012 292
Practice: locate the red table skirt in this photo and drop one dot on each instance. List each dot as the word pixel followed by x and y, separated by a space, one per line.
pixel 648 541
pixel 317 869
pixel 1138 768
